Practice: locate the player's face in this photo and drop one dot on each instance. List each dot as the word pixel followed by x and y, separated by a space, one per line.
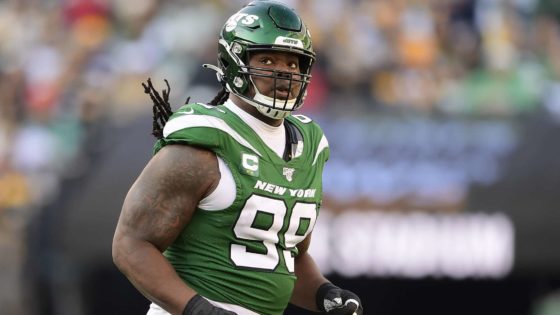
pixel 279 61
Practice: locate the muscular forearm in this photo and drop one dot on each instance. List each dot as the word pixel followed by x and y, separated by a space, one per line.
pixel 151 273
pixel 309 278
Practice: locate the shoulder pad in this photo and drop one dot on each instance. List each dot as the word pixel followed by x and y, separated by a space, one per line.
pixel 201 125
pixel 313 135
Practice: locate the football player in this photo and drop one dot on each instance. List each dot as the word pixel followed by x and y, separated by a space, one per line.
pixel 220 220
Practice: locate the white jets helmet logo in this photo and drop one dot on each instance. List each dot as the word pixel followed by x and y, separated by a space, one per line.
pixel 244 18
pixel 288 173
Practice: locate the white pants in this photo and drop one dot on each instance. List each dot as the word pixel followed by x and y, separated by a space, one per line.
pixel 156 310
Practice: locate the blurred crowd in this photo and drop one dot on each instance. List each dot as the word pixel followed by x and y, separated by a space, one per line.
pixel 68 66
pixel 65 65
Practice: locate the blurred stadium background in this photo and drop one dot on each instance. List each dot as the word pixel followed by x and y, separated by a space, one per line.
pixel 442 195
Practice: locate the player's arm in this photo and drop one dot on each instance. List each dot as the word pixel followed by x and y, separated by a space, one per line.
pixel 314 292
pixel 158 206
pixel 309 278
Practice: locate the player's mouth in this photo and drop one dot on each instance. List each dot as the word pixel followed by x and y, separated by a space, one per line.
pixel 282 93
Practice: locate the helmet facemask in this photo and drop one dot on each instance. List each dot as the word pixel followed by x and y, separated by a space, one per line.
pixel 273 105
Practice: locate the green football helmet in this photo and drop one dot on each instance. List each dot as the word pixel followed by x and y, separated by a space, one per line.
pixel 264 26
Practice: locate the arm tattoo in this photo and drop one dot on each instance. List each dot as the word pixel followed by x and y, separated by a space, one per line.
pixel 163 199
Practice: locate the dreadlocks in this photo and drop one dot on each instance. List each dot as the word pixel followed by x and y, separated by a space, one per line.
pixel 221 97
pixel 161 108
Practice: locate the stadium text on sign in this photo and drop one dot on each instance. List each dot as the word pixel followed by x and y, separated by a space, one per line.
pixel 474 245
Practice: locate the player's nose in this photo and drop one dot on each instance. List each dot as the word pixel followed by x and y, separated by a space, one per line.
pixel 284 74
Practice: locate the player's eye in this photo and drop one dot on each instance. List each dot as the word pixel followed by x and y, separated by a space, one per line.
pixel 266 61
pixel 293 65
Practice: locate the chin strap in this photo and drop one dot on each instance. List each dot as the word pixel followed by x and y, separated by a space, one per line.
pixel 269 112
pixel 266 104
pixel 271 102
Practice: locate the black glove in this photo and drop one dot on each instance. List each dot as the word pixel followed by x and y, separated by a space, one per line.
pixel 200 306
pixel 333 300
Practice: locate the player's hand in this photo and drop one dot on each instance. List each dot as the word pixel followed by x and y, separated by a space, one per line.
pixel 200 306
pixel 333 300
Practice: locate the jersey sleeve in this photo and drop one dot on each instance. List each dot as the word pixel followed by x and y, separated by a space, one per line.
pixel 323 151
pixel 202 126
pixel 191 125
pixel 314 136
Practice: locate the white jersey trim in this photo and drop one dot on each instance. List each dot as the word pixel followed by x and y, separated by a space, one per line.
pixel 323 144
pixel 189 120
pixel 224 194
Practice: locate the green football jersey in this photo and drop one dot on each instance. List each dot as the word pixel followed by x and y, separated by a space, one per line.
pixel 244 254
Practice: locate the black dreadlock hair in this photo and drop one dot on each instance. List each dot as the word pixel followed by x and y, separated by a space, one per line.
pixel 162 109
pixel 221 97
